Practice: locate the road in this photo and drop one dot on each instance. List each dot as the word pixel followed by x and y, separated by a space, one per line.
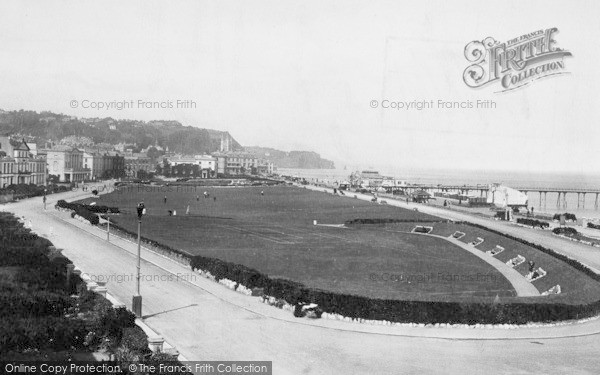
pixel 206 321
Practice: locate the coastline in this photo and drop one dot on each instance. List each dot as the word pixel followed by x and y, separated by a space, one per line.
pixel 462 177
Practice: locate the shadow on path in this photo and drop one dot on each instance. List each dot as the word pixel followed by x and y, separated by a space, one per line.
pixel 167 311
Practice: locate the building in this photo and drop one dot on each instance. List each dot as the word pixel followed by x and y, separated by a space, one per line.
pixel 138 162
pixel 30 169
pixel 236 163
pixel 113 165
pixel 203 166
pixel 66 162
pixel 203 161
pixel 7 171
pixel 370 179
pixel 5 146
pixel 504 196
pixel 420 196
pixel 19 166
pixel 103 164
pixel 93 161
pixel 265 167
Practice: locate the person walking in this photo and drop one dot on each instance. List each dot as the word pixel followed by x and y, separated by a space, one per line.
pixel 165 200
pixel 44 200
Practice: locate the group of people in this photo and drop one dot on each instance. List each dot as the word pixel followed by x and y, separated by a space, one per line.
pixel 187 211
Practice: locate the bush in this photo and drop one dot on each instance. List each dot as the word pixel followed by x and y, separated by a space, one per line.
pixel 50 332
pixel 568 216
pixel 567 231
pixel 422 230
pixel 533 223
pixel 134 339
pixel 593 226
pixel 81 210
pixel 33 303
pixel 390 221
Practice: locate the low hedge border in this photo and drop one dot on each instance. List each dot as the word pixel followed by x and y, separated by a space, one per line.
pixel 90 207
pixel 87 212
pixel 572 262
pixel 533 223
pixel 179 255
pixel 593 226
pixel 22 191
pixel 568 217
pixel 565 230
pixel 396 311
pixel 391 221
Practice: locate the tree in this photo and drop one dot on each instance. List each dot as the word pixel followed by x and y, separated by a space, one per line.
pixel 153 153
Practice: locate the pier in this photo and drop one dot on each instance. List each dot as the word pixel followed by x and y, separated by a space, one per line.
pixel 561 200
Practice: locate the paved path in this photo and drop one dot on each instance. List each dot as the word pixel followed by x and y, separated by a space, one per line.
pixel 523 287
pixel 586 254
pixel 209 322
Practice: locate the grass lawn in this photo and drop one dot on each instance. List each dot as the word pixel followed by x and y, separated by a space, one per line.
pixel 274 233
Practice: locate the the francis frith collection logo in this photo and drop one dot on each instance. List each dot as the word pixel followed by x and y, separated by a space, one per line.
pixel 515 63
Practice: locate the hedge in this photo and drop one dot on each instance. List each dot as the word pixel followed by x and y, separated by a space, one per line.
pixel 33 303
pixel 572 262
pixel 568 216
pixel 390 220
pixel 593 226
pixel 48 332
pixel 81 210
pixel 27 191
pixel 427 312
pixel 533 223
pixel 37 307
pixel 360 307
pixel 568 231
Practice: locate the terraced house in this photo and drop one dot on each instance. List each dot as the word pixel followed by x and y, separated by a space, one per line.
pixel 66 162
pixel 19 165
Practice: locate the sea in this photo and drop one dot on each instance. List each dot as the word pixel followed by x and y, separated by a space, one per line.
pixel 585 208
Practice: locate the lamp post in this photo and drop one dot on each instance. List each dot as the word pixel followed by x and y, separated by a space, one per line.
pixel 45 191
pixel 136 304
pixel 107 227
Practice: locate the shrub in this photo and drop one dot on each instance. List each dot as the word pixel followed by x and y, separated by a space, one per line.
pixel 86 211
pixel 134 339
pixel 533 223
pixel 390 221
pixel 568 216
pixel 50 332
pixel 593 226
pixel 33 303
pixel 567 231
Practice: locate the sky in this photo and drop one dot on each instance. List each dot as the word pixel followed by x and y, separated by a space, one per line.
pixel 303 75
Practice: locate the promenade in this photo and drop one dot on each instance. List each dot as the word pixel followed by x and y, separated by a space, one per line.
pixel 204 320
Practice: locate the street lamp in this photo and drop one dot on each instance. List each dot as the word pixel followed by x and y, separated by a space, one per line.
pixel 136 304
pixel 45 191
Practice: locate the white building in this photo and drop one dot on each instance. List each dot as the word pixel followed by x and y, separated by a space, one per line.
pixel 67 163
pixel 504 196
pixel 203 161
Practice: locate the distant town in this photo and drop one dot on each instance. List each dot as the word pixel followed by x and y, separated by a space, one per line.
pixel 43 148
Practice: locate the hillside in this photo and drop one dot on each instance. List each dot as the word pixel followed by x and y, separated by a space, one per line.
pixel 48 126
pixel 292 159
